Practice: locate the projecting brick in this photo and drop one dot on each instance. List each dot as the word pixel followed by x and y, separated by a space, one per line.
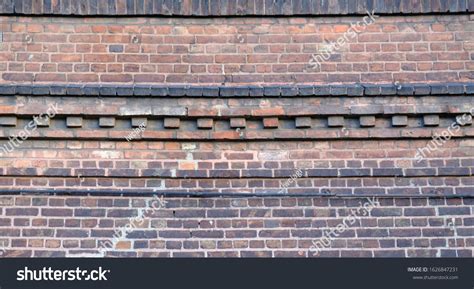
pixel 367 121
pixel 234 91
pixel 107 90
pixel 439 89
pixel 159 91
pixel 24 89
pixel 321 90
pixel 8 120
pixel 139 121
pixel 289 91
pixel 338 90
pixel 74 121
pixel 405 89
pixel 72 89
pixel 303 122
pixel 171 122
pixel 270 122
pixel 124 91
pixel 431 120
pixel 399 120
pixel 464 119
pixel 271 91
pixel 177 90
pixel 388 89
pixel 355 90
pixel 107 121
pixel 335 121
pixel 91 90
pixel 194 91
pixel 210 91
pixel 142 90
pixel 372 90
pixel 205 123
pixel 455 88
pixel 422 89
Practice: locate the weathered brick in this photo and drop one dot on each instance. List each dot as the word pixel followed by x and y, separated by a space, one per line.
pixel 303 122
pixel 107 121
pixel 205 123
pixel 270 122
pixel 139 122
pixel 367 121
pixel 8 120
pixel 74 121
pixel 335 121
pixel 399 120
pixel 171 122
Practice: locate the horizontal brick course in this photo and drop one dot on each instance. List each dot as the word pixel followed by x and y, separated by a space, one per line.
pixel 221 168
pixel 91 90
pixel 243 50
pixel 249 227
pixel 228 7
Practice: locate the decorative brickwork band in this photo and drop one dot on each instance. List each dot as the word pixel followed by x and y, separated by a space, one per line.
pixel 420 89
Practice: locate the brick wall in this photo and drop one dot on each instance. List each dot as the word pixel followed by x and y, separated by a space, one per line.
pixel 256 151
pixel 42 226
pixel 242 50
pixel 342 168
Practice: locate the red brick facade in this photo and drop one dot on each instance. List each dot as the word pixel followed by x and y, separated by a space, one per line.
pixel 235 51
pixel 256 151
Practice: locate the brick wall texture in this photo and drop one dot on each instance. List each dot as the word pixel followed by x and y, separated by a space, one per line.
pixel 235 50
pixel 255 151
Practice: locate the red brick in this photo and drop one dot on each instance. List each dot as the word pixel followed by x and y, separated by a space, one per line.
pixel 270 122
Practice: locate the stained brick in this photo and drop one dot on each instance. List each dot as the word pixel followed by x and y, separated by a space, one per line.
pixel 171 122
pixel 205 123
pixel 270 122
pixel 107 122
pixel 74 121
pixel 303 122
pixel 8 121
pixel 139 121
pixel 399 120
pixel 367 121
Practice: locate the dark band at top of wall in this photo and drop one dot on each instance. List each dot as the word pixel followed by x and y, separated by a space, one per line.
pixel 230 7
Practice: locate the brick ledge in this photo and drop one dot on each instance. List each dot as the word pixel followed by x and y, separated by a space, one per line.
pixel 368 89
